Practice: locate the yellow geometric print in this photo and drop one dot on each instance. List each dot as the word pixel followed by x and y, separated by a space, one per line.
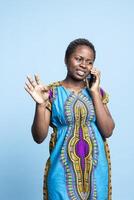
pixel 80 151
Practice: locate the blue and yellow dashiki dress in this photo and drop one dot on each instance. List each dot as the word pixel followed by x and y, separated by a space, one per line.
pixel 79 164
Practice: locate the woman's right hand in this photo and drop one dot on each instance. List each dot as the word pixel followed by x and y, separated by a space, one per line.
pixel 38 91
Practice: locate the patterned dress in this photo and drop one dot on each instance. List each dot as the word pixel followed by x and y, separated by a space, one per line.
pixel 79 164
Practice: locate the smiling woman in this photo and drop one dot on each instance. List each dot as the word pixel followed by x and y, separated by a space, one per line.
pixel 79 164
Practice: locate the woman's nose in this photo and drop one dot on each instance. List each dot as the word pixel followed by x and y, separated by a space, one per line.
pixel 83 64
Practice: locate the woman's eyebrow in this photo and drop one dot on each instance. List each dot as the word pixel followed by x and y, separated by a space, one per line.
pixel 89 59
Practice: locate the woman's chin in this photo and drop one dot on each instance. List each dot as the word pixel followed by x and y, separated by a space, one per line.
pixel 80 77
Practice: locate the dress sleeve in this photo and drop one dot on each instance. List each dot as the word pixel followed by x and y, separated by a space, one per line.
pixel 52 94
pixel 105 96
pixel 49 104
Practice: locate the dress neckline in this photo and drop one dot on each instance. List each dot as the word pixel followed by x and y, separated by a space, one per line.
pixel 76 92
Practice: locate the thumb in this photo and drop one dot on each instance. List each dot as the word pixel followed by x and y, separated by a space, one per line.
pixel 45 88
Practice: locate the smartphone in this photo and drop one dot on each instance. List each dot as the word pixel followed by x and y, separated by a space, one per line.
pixel 90 79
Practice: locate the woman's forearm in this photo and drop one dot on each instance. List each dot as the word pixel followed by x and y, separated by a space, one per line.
pixel 40 123
pixel 104 120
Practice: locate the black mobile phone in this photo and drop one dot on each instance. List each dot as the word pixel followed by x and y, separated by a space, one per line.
pixel 90 79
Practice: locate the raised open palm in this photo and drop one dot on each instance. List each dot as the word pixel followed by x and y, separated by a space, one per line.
pixel 38 91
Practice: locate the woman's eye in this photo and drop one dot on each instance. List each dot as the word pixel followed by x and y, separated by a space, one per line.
pixel 78 59
pixel 89 63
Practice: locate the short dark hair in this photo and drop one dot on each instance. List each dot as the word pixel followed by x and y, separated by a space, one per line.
pixel 74 44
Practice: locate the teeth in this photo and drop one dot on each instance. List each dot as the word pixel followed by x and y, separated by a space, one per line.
pixel 80 73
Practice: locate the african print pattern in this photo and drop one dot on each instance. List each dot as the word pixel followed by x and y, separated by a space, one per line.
pixel 80 148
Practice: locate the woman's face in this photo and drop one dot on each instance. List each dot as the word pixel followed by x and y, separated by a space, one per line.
pixel 80 62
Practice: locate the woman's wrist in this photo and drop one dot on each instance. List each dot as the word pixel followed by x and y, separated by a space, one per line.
pixel 43 104
pixel 95 92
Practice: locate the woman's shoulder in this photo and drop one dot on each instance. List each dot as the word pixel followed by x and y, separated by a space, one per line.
pixel 52 93
pixel 54 85
pixel 104 95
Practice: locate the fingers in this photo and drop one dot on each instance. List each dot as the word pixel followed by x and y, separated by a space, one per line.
pixel 32 82
pixel 27 89
pixel 30 85
pixel 37 79
pixel 95 71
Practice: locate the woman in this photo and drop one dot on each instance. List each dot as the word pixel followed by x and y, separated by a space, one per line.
pixel 79 163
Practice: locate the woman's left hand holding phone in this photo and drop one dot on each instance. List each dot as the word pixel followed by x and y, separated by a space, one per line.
pixel 95 85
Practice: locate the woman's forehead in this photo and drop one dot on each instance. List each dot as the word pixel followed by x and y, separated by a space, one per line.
pixel 84 51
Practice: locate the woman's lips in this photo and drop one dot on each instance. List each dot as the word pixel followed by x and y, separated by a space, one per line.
pixel 80 73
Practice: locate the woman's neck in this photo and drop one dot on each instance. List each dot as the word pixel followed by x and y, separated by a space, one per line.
pixel 72 83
